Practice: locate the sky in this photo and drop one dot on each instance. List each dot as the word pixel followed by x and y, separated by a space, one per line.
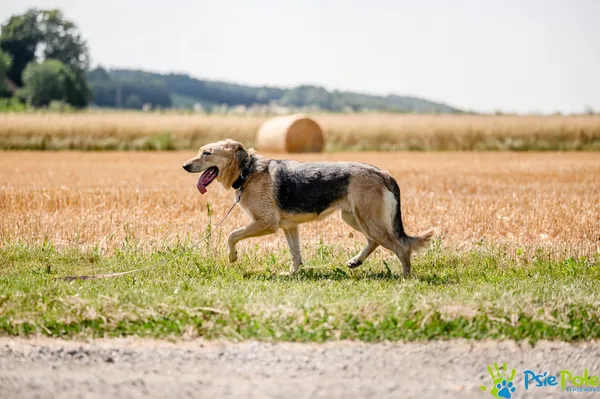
pixel 482 55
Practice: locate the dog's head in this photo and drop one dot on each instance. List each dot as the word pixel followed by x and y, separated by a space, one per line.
pixel 221 161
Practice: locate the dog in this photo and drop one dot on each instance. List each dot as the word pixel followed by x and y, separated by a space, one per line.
pixel 282 194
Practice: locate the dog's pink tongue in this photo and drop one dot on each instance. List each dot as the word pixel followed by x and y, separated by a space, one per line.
pixel 201 186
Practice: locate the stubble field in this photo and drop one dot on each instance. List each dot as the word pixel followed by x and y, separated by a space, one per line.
pixel 516 253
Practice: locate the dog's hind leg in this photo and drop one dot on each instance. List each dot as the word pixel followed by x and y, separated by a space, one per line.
pixel 388 240
pixel 292 235
pixel 254 229
pixel 403 253
pixel 380 234
pixel 367 250
pixel 398 247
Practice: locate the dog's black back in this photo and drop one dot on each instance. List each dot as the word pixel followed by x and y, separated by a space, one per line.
pixel 309 187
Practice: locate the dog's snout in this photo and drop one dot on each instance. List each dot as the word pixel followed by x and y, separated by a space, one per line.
pixel 187 166
pixel 192 165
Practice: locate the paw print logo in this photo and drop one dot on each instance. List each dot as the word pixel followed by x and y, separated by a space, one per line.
pixel 505 390
pixel 503 387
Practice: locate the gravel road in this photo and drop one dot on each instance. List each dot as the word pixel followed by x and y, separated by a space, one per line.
pixel 135 368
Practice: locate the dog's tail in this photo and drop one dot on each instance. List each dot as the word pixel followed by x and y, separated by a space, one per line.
pixel 416 242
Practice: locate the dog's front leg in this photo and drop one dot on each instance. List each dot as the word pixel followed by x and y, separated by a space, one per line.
pixel 254 229
pixel 292 236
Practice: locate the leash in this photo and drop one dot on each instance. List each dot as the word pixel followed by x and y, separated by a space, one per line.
pixel 110 275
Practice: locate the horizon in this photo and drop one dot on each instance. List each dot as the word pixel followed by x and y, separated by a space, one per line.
pixel 500 56
pixel 173 72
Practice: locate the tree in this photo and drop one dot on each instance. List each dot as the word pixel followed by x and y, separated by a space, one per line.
pixel 49 81
pixel 19 38
pixel 5 62
pixel 133 101
pixel 49 35
pixel 61 40
pixel 98 74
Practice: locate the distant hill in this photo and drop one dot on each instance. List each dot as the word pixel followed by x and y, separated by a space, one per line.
pixel 132 88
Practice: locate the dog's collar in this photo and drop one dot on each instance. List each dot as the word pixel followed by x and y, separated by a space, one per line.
pixel 242 179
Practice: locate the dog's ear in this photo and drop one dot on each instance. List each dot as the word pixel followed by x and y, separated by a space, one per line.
pixel 239 153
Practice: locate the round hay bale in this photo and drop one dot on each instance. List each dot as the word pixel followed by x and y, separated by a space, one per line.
pixel 290 133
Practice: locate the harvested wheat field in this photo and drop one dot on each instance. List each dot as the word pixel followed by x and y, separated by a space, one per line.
pixel 365 131
pixel 100 199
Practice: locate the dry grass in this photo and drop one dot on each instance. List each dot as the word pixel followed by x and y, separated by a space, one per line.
pixel 121 130
pixel 524 200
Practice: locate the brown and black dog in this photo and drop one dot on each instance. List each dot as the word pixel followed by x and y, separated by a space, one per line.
pixel 283 194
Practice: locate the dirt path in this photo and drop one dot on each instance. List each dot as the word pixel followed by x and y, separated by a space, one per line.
pixel 156 369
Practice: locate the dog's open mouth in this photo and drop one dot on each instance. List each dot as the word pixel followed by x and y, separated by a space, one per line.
pixel 207 177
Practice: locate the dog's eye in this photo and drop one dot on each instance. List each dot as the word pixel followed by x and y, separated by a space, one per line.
pixel 205 153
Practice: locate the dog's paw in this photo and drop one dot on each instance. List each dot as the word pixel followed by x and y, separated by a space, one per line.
pixel 353 263
pixel 294 268
pixel 232 256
